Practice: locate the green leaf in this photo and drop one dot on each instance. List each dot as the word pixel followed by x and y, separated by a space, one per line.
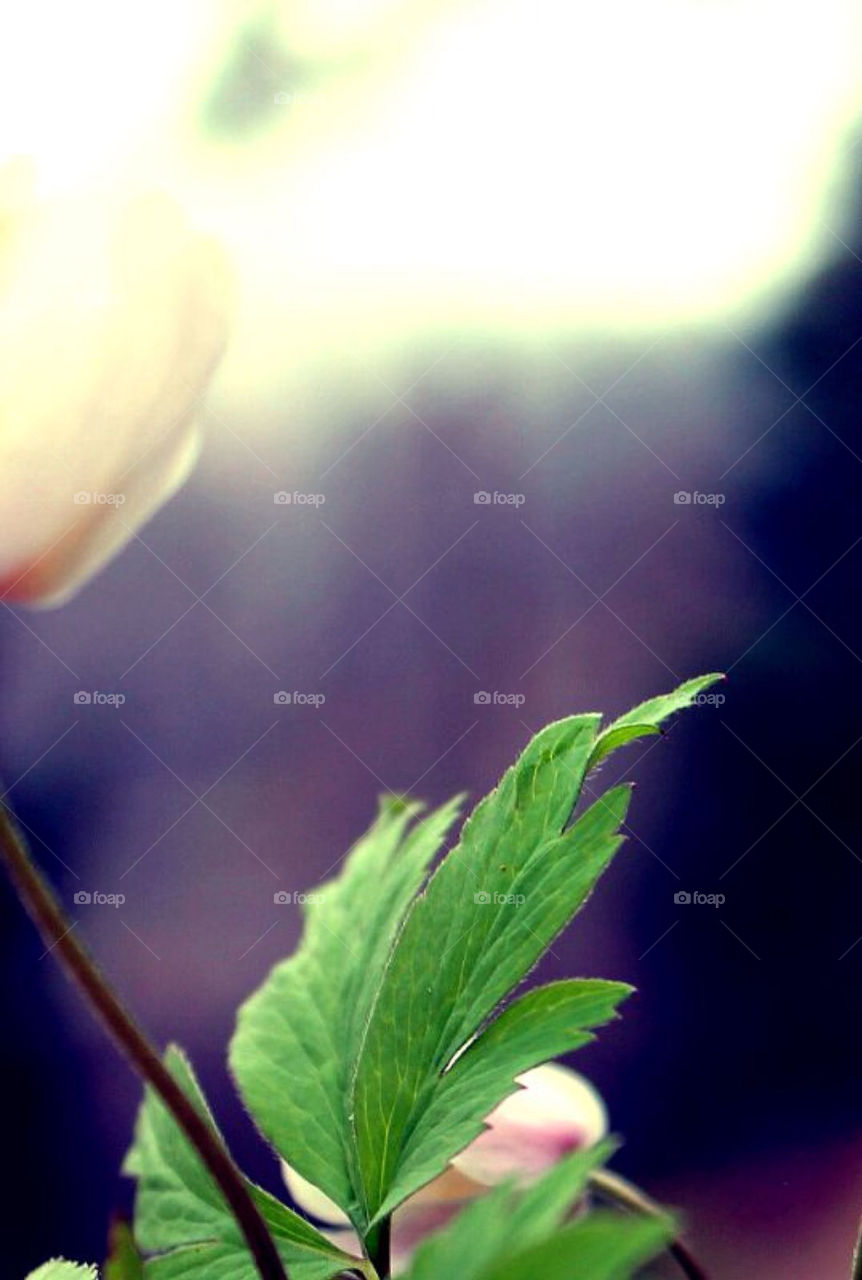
pixel 617 737
pixel 511 1235
pixel 648 717
pixel 546 1205
pixel 179 1205
pixel 124 1261
pixel 466 1245
pixel 544 1023
pixel 58 1269
pixel 601 1246
pixel 458 957
pixel 505 1220
pixel 221 1262
pixel 295 1040
pixel 371 1056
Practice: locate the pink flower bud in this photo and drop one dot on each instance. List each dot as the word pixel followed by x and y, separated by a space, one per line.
pixel 554 1112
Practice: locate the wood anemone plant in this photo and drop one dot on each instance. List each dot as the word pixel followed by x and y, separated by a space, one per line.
pixel 371 1057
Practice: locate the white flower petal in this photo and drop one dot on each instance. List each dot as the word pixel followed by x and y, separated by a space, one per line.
pixel 112 318
pixel 104 530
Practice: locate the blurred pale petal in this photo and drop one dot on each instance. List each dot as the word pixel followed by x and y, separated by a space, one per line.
pixel 311 1199
pixel 112 319
pixel 555 1111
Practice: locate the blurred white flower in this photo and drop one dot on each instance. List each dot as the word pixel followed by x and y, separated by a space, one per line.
pixel 112 318
pixel 554 1112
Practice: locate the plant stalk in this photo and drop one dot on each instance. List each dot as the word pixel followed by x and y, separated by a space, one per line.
pixel 620 1192
pixel 379 1245
pixel 57 933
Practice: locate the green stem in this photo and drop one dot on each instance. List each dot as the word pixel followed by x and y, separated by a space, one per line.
pixel 378 1243
pixel 616 1189
pixel 56 930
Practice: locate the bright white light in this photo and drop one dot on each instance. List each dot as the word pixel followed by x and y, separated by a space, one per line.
pixel 84 86
pixel 622 161
pixel 323 28
pixel 513 165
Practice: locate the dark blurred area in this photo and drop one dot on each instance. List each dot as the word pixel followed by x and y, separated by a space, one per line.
pixel 733 1075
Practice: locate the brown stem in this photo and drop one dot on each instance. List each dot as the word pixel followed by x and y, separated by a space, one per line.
pixel 56 931
pixel 627 1196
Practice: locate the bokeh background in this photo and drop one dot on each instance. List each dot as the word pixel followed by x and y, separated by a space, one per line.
pixel 592 257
